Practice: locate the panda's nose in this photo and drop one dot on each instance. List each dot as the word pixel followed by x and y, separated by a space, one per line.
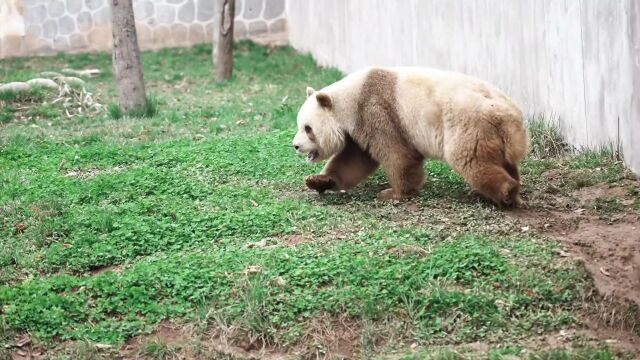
pixel 296 147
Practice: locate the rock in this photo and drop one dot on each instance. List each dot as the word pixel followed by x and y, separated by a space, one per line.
pixel 71 80
pixel 71 72
pixel 46 83
pixel 50 74
pixel 15 86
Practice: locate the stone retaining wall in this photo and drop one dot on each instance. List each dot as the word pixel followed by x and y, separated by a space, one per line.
pixel 30 27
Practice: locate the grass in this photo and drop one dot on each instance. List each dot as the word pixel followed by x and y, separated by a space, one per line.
pixel 195 212
pixel 148 110
pixel 546 139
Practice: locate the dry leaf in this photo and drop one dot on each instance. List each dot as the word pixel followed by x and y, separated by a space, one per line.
pixel 23 342
pixel 252 269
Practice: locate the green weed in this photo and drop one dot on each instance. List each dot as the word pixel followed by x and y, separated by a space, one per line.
pixel 546 139
pixel 199 213
pixel 115 111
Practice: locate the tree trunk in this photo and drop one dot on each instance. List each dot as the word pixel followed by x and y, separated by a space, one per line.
pixel 223 54
pixel 126 56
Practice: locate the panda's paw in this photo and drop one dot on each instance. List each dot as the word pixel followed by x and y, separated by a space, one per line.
pixel 389 194
pixel 320 183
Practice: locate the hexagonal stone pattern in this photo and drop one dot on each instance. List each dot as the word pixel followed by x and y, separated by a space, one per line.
pixel 56 8
pixel 74 6
pixel 205 10
pixel 94 4
pixel 274 9
pixel 102 16
pixel 278 26
pixel 165 14
pixel 36 14
pixel 143 9
pixel 252 9
pixel 50 29
pixel 84 21
pixel 187 12
pixel 239 29
pixel 77 41
pixel 257 27
pixel 53 25
pixel 66 25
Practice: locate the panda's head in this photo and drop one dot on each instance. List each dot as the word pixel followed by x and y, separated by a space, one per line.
pixel 319 134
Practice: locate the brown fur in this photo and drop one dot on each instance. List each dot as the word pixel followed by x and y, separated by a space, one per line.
pixel 344 170
pixel 487 158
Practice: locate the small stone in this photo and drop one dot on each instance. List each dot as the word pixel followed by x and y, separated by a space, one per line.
pixel 15 86
pixel 70 72
pixel 71 81
pixel 47 83
pixel 50 74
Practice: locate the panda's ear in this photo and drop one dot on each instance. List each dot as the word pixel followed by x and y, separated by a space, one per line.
pixel 310 91
pixel 324 100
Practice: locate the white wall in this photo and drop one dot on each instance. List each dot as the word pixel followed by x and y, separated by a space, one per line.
pixel 576 59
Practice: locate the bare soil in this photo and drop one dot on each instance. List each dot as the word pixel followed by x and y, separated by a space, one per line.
pixel 609 248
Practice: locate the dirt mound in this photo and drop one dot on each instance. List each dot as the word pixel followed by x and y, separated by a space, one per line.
pixel 609 250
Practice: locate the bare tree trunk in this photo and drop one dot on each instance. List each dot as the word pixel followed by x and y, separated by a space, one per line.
pixel 223 53
pixel 126 56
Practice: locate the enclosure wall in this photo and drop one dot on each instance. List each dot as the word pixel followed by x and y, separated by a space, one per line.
pixel 578 60
pixel 29 27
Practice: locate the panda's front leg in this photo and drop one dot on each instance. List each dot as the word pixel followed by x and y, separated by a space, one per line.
pixel 344 170
pixel 405 173
pixel 320 183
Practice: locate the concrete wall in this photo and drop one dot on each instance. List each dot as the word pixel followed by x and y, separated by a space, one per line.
pixel 576 59
pixel 29 27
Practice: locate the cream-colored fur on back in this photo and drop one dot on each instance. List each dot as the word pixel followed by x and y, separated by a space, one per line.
pixel 431 101
pixel 427 99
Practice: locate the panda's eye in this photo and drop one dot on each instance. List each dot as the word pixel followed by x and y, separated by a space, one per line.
pixel 307 129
